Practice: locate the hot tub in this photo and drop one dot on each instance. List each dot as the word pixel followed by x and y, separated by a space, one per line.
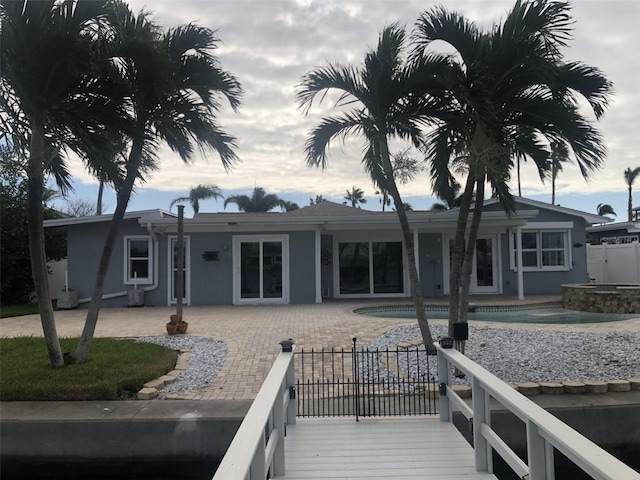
pixel 602 297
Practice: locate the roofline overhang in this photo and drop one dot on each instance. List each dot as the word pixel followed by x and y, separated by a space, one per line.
pixel 144 216
pixel 422 221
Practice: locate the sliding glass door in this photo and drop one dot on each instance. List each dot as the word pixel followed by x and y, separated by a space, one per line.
pixel 370 268
pixel 261 269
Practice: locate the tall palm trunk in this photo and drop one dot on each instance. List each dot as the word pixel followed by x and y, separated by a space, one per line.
pixel 416 290
pixel 99 201
pixel 467 265
pixel 630 198
pixel 35 185
pixel 457 258
pixel 123 196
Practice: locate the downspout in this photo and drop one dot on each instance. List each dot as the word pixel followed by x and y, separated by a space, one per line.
pixel 107 296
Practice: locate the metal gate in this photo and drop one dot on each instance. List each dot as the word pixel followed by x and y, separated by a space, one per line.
pixel 366 382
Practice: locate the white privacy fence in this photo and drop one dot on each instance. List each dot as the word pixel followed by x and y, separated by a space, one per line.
pixel 614 262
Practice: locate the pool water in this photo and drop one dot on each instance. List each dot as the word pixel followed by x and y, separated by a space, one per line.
pixel 538 315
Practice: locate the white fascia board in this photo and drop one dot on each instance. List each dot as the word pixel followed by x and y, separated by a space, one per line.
pixel 148 215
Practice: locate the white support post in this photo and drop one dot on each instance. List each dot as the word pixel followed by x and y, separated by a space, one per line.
pixel 278 423
pixel 257 464
pixel 290 382
pixel 519 265
pixel 318 266
pixel 481 447
pixel 446 415
pixel 537 454
pixel 416 251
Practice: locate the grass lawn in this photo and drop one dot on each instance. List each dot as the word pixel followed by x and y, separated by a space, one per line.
pixel 116 370
pixel 18 310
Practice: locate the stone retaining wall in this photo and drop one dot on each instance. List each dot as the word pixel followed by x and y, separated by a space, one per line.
pixel 602 298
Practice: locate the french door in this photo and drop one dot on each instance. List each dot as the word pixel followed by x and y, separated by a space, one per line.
pixel 261 269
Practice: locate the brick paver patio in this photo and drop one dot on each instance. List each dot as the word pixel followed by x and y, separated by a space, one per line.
pixel 252 333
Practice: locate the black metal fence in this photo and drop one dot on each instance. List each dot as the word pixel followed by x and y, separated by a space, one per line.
pixel 364 382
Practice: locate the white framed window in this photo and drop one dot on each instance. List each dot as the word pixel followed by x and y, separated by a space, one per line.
pixel 138 267
pixel 542 249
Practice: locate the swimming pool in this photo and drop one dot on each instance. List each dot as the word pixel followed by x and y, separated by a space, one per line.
pixel 501 314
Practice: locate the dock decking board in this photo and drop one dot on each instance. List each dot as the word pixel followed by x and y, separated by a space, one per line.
pixel 403 448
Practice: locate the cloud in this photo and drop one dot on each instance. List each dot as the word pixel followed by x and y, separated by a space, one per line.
pixel 269 44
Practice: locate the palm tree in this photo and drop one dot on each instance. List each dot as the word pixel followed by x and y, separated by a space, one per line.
pixel 288 206
pixel 405 169
pixel 197 194
pixel 315 201
pixel 606 209
pixel 559 155
pixel 511 95
pixel 56 96
pixel 259 201
pixel 630 177
pixel 384 105
pixel 355 197
pixel 174 87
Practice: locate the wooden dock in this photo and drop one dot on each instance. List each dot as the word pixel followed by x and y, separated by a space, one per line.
pixel 383 447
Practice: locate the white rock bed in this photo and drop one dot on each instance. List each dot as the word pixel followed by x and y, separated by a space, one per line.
pixel 207 357
pixel 517 356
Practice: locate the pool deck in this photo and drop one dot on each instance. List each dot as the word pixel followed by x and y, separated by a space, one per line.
pixel 252 333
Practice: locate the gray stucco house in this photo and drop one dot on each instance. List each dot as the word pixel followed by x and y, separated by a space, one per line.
pixel 325 251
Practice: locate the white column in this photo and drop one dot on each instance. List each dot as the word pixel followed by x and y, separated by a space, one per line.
pixel 519 262
pixel 318 263
pixel 416 251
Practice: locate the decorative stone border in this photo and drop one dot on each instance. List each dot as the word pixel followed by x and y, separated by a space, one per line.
pixel 547 388
pixel 150 389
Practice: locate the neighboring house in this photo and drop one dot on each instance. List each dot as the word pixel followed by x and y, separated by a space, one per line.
pixel 325 251
pixel 619 232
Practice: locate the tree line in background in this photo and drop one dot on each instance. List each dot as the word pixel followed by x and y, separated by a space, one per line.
pixel 93 78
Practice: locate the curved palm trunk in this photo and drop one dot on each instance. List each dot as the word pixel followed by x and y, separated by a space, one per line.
pixel 458 252
pixel 124 194
pixel 467 265
pixel 416 291
pixel 630 205
pixel 35 185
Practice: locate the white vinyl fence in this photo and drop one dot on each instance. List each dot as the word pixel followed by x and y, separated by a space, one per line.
pixel 614 263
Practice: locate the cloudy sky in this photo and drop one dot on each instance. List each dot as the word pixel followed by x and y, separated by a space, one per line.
pixel 270 44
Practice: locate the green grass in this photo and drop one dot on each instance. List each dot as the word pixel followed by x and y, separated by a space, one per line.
pixel 116 370
pixel 18 310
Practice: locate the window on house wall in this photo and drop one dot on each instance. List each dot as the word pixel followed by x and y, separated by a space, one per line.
pixel 370 268
pixel 138 266
pixel 542 250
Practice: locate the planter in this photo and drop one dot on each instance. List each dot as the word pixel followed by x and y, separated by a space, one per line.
pixel 175 319
pixel 67 300
pixel 182 327
pixel 136 297
pixel 172 328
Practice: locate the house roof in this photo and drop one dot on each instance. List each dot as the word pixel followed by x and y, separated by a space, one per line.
pixel 630 227
pixel 590 218
pixel 140 214
pixel 331 216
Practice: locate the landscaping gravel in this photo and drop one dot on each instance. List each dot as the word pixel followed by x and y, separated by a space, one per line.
pixel 207 357
pixel 517 356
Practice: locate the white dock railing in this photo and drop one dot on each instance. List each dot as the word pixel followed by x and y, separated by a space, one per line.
pixel 544 431
pixel 259 442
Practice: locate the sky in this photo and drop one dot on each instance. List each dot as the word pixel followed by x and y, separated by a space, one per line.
pixel 270 44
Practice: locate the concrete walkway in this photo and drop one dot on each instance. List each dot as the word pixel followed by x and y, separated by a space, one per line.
pixel 252 333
